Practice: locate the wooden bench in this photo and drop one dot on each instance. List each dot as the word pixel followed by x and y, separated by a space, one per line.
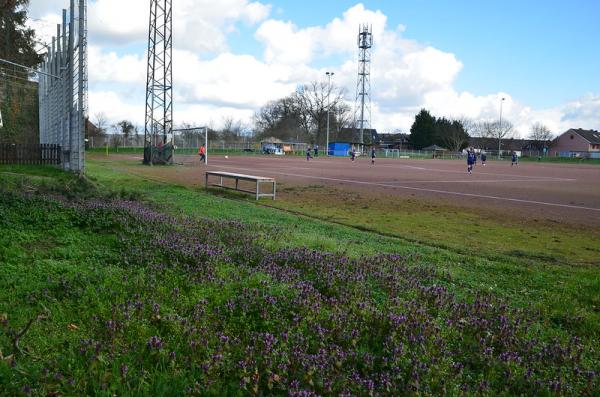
pixel 242 177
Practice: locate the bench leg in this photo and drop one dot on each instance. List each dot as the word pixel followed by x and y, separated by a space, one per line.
pixel 274 189
pixel 257 189
pixel 206 181
pixel 221 181
pixel 236 183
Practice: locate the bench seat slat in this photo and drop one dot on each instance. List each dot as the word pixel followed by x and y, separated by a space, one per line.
pixel 239 176
pixel 243 177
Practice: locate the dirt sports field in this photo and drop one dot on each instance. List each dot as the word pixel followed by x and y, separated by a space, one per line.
pixel 538 191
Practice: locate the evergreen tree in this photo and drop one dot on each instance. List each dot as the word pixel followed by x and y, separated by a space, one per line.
pixel 451 134
pixel 17 41
pixel 423 130
pixel 18 96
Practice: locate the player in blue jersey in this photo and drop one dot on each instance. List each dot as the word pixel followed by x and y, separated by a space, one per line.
pixel 470 161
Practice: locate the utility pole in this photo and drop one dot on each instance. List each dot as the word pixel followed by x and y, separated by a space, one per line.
pixel 329 76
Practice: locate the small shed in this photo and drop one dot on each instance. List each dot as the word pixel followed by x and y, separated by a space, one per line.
pixel 344 148
pixel 339 148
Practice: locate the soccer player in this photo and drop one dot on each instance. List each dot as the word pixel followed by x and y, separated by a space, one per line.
pixel 316 150
pixel 308 156
pixel 515 159
pixel 352 154
pixel 483 158
pixel 372 156
pixel 470 161
pixel 202 153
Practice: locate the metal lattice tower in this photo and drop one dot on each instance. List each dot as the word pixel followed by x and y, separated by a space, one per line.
pixel 159 84
pixel 362 107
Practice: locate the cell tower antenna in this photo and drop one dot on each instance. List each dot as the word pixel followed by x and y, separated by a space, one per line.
pixel 362 107
pixel 158 131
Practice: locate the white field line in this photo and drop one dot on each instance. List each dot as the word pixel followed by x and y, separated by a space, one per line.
pixel 489 181
pixel 515 200
pixel 462 172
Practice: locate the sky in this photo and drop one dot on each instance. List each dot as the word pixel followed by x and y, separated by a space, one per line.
pixel 455 58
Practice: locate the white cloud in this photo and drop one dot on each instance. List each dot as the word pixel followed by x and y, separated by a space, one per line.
pixel 40 8
pixel 45 29
pixel 115 107
pixel 109 67
pixel 199 25
pixel 286 43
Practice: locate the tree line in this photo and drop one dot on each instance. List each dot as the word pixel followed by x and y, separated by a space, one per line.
pixel 454 134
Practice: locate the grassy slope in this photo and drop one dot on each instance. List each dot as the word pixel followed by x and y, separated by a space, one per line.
pixel 568 294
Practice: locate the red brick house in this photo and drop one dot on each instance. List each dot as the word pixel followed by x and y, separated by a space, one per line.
pixel 577 143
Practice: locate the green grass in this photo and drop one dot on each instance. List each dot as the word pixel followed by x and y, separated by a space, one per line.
pixel 565 291
pixel 70 267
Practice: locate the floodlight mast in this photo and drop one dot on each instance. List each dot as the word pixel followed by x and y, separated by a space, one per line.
pixel 362 112
pixel 158 128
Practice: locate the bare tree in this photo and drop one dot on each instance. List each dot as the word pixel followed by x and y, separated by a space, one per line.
pixel 116 140
pixel 280 119
pixel 468 124
pixel 231 130
pixel 541 134
pixel 314 101
pixel 101 123
pixel 495 131
pixel 303 114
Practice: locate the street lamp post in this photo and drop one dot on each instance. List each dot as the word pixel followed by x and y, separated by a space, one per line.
pixel 329 75
pixel 500 128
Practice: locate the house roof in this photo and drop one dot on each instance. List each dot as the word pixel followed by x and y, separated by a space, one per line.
pixel 434 148
pixel 591 136
pixel 397 137
pixel 352 135
pixel 507 144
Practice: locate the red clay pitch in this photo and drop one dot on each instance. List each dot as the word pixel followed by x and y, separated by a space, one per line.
pixel 555 192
